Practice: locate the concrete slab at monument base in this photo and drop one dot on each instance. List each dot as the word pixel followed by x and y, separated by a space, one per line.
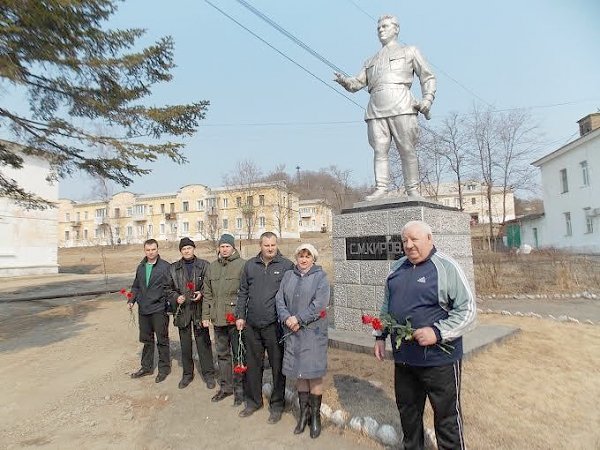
pixel 365 238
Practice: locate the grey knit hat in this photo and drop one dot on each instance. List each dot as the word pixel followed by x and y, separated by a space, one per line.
pixel 227 239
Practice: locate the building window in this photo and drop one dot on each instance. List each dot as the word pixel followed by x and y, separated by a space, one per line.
pixel 238 201
pixel 473 200
pixel 250 200
pixel 211 202
pixel 200 205
pixel 172 207
pixel 262 222
pixel 471 187
pixel 97 232
pixel 199 226
pixel 162 228
pixel 186 227
pixel 261 200
pixel 117 213
pixel 186 206
pixel 238 223
pixel 85 215
pixel 585 173
pixel 535 238
pixel 67 217
pixel 150 210
pixel 78 217
pixel 141 230
pixel 139 210
pixel 589 220
pixel 568 227
pixel 117 231
pixel 564 182
pixel 162 208
pixel 129 231
pixel 150 230
pixel 66 235
pixel 129 211
pixel 225 224
pixel 85 234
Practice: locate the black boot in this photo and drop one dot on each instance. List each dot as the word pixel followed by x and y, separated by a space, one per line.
pixel 304 417
pixel 315 415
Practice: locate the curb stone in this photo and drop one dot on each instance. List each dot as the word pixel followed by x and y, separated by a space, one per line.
pixel 383 433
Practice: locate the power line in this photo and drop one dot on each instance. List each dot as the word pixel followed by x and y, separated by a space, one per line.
pixel 283 54
pixel 290 36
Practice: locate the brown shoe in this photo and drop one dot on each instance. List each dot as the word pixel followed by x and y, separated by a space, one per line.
pixel 248 411
pixel 220 396
pixel 141 373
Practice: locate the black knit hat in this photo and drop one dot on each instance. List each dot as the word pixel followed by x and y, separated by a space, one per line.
pixel 227 239
pixel 186 241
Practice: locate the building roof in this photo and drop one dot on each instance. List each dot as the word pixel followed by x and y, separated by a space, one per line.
pixel 595 134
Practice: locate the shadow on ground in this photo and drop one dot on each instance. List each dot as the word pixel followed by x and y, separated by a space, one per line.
pixel 362 398
pixel 80 268
pixel 40 323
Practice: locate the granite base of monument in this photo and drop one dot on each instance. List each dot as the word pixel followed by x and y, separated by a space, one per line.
pixel 366 241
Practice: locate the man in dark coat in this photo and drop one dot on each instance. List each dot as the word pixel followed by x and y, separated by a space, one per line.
pixel 148 291
pixel 186 284
pixel 255 311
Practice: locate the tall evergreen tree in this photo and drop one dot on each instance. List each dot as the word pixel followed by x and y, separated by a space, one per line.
pixel 72 70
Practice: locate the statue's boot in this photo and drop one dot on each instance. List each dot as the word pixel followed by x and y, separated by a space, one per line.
pixel 382 178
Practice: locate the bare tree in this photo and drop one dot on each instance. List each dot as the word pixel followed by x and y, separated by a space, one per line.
pixel 433 167
pixel 518 140
pixel 485 145
pixel 283 210
pixel 243 183
pixel 454 137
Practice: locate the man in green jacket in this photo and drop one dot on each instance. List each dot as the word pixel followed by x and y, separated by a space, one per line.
pixel 221 287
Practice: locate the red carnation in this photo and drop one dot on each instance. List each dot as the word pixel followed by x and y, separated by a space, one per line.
pixel 190 285
pixel 376 323
pixel 366 319
pixel 238 368
pixel 123 291
pixel 323 314
pixel 129 295
pixel 230 318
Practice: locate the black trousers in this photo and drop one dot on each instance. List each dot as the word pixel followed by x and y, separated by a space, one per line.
pixel 204 348
pixel 151 324
pixel 441 384
pixel 257 341
pixel 227 346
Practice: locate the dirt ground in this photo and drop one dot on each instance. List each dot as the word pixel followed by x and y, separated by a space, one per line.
pixel 65 368
pixel 66 384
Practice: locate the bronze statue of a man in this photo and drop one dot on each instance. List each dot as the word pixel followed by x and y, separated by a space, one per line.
pixel 392 110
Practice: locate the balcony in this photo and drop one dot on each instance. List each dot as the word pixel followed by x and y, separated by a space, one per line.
pixel 170 216
pixel 139 217
pixel 100 220
pixel 75 223
pixel 212 211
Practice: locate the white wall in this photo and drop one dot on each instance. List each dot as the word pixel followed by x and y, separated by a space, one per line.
pixel 28 239
pixel 578 197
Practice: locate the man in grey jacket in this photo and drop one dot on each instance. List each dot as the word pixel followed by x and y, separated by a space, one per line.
pixel 256 313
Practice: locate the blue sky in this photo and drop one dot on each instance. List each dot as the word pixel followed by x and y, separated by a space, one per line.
pixel 264 108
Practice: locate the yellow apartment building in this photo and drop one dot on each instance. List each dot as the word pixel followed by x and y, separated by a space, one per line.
pixel 195 211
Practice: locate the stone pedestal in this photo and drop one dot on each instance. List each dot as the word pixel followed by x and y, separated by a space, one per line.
pixel 358 285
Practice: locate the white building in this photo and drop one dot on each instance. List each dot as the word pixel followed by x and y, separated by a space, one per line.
pixel 314 215
pixel 474 200
pixel 571 194
pixel 28 238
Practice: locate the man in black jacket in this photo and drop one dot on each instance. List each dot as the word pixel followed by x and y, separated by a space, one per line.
pixel 255 311
pixel 148 290
pixel 186 285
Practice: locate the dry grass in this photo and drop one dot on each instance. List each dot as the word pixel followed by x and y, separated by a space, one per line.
pixel 538 390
